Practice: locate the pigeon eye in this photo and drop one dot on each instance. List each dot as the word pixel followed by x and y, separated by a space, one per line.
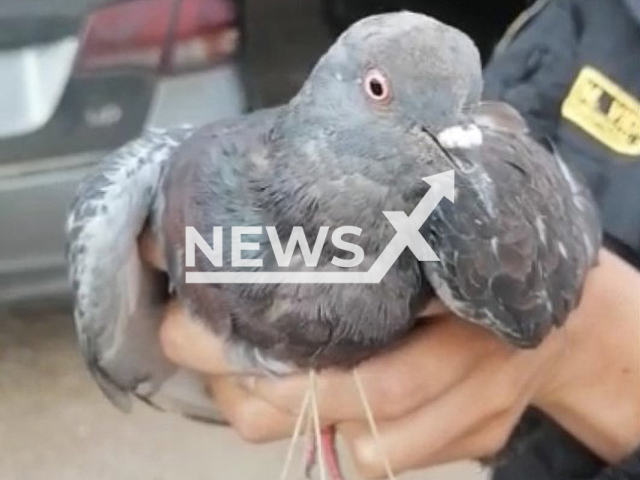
pixel 377 86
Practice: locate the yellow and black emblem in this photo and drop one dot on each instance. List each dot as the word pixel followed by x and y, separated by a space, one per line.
pixel 605 111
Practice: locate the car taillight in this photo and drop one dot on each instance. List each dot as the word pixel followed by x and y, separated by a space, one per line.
pixel 164 35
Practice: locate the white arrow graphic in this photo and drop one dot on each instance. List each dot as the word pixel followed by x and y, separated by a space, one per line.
pixel 408 235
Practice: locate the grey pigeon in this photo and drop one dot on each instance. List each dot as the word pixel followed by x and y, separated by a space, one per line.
pixel 395 99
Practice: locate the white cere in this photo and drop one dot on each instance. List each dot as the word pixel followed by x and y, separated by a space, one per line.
pixel 461 136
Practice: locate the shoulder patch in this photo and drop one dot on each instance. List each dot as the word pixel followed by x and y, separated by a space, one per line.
pixel 605 111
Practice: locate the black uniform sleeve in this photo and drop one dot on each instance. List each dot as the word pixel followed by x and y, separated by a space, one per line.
pixel 533 69
pixel 628 469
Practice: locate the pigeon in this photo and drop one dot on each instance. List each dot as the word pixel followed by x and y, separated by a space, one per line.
pixel 396 99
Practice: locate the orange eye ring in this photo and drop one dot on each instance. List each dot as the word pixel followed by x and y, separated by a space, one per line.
pixel 377 86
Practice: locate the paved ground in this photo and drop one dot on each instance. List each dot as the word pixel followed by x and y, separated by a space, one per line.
pixel 56 425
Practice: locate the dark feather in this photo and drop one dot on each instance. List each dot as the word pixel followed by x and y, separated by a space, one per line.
pixel 521 237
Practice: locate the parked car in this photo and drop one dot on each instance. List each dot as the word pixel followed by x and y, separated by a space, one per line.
pixel 77 84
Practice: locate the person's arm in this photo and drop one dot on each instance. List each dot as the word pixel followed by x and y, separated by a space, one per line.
pixel 595 393
pixel 455 391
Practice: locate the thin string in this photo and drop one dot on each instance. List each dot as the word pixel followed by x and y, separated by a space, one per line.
pixel 310 454
pixel 316 425
pixel 296 433
pixel 372 425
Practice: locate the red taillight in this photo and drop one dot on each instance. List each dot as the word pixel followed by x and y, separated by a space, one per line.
pixel 164 35
pixel 206 32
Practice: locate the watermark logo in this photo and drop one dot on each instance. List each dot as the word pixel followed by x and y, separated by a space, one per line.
pixel 407 236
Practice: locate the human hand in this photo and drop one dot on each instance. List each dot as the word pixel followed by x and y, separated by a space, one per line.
pixel 417 393
pixel 452 390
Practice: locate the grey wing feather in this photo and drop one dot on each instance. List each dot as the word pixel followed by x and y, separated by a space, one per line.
pixel 117 297
pixel 517 245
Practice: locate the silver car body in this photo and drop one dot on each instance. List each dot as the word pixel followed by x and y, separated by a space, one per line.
pixel 35 193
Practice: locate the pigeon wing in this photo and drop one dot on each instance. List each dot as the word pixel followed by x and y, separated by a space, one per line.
pixel 118 298
pixel 516 246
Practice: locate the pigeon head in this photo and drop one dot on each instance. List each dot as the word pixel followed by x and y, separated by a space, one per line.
pixel 402 69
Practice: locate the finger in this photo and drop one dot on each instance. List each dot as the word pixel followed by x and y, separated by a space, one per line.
pixel 397 382
pixel 254 419
pixel 417 439
pixel 510 390
pixel 485 440
pixel 189 343
pixel 286 393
